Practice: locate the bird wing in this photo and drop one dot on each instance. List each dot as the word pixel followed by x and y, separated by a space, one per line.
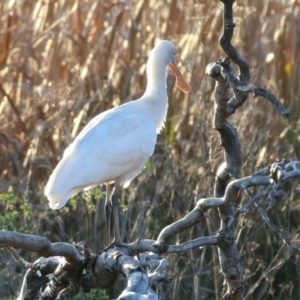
pixel 112 145
pixel 117 140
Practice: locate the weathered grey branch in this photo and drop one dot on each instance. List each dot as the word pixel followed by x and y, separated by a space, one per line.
pixel 261 178
pixel 225 195
pixel 278 173
pixel 33 281
pixel 157 275
pixel 61 280
pixel 257 91
pixel 221 95
pixel 81 268
pixel 162 246
pixel 232 190
pixel 232 149
pixel 192 218
pixel 240 87
pixel 149 260
pixel 197 243
pixel 137 279
pixel 40 245
pixel 241 90
pixel 61 277
pixel 225 41
pixel 19 259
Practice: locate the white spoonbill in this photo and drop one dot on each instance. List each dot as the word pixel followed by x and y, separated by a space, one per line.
pixel 115 145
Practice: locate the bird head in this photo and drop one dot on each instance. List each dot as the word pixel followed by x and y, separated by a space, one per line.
pixel 164 54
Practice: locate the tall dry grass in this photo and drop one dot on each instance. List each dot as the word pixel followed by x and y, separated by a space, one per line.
pixel 63 61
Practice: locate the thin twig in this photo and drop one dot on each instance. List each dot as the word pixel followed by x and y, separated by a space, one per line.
pixel 278 230
pixel 20 260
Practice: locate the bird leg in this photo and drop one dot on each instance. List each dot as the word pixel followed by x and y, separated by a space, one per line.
pixel 115 204
pixel 112 210
pixel 108 212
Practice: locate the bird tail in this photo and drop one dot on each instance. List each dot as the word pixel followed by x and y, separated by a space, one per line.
pixel 56 201
pixel 58 189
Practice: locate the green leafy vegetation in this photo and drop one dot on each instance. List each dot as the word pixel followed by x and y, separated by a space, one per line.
pixel 15 211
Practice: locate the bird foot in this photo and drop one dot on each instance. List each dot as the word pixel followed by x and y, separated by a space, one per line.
pixel 114 244
pixel 111 245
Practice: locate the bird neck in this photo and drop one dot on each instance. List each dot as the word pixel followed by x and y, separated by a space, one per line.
pixel 157 98
pixel 156 92
pixel 156 78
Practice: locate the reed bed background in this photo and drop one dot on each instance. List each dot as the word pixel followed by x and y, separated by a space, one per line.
pixel 64 61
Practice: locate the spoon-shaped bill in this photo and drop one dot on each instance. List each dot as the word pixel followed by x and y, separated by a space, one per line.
pixel 181 83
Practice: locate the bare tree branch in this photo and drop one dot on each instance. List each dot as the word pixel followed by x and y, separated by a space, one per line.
pixel 197 243
pixel 192 218
pixel 225 41
pixel 19 259
pixel 40 245
pixel 257 91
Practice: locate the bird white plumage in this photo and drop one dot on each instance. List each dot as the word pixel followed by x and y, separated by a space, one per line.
pixel 115 145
